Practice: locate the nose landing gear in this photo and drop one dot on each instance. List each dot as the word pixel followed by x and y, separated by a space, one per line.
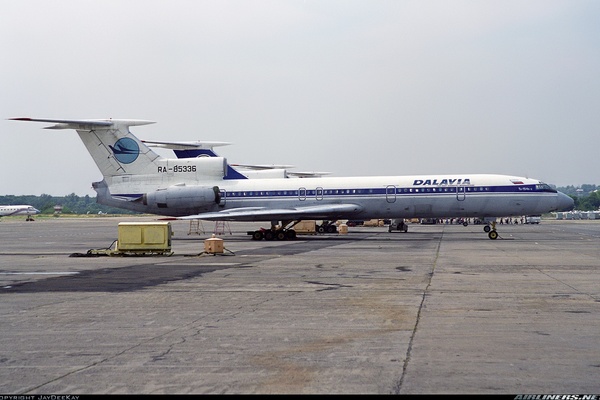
pixel 491 230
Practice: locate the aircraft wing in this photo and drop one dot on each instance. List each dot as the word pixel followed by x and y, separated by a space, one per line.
pixel 326 211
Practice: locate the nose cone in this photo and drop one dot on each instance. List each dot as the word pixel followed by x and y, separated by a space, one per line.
pixel 565 203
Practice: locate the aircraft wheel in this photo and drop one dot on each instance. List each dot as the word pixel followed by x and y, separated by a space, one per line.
pixel 291 234
pixel 487 228
pixel 280 235
pixel 257 235
pixel 269 235
pixel 493 235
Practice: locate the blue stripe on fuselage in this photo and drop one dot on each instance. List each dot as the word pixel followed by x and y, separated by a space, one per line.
pixel 366 192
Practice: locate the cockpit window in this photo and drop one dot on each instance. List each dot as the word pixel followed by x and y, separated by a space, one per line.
pixel 543 187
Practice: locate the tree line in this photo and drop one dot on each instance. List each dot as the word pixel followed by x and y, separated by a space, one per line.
pixel 587 198
pixel 71 204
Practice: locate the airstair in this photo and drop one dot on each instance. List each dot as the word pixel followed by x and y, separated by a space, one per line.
pixel 196 227
pixel 221 227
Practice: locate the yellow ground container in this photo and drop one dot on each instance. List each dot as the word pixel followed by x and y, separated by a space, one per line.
pixel 144 237
pixel 213 245
pixel 373 222
pixel 306 227
pixel 343 229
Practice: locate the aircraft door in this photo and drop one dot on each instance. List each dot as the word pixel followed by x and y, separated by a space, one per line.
pixel 390 194
pixel 460 193
pixel 319 193
pixel 302 194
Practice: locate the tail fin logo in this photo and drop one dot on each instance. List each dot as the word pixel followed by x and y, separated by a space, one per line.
pixel 126 150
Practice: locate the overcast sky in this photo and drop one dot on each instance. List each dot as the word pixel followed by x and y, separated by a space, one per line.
pixel 373 87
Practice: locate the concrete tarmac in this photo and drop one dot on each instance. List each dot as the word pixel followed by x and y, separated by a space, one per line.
pixel 438 309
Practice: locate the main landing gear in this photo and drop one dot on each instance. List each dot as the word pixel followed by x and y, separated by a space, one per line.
pixel 276 232
pixel 270 234
pixel 491 230
pixel 285 231
pixel 327 227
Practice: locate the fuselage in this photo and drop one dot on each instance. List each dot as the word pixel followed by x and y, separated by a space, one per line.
pixel 18 210
pixel 425 196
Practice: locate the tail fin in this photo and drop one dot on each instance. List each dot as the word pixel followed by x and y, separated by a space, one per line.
pixel 114 149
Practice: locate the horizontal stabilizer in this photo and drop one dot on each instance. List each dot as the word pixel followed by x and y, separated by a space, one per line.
pixel 85 124
pixel 191 145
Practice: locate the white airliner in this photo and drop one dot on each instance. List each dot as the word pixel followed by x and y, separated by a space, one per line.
pixel 136 178
pixel 25 209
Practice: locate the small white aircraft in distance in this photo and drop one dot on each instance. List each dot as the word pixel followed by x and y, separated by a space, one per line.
pixel 136 178
pixel 22 209
pixel 198 148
